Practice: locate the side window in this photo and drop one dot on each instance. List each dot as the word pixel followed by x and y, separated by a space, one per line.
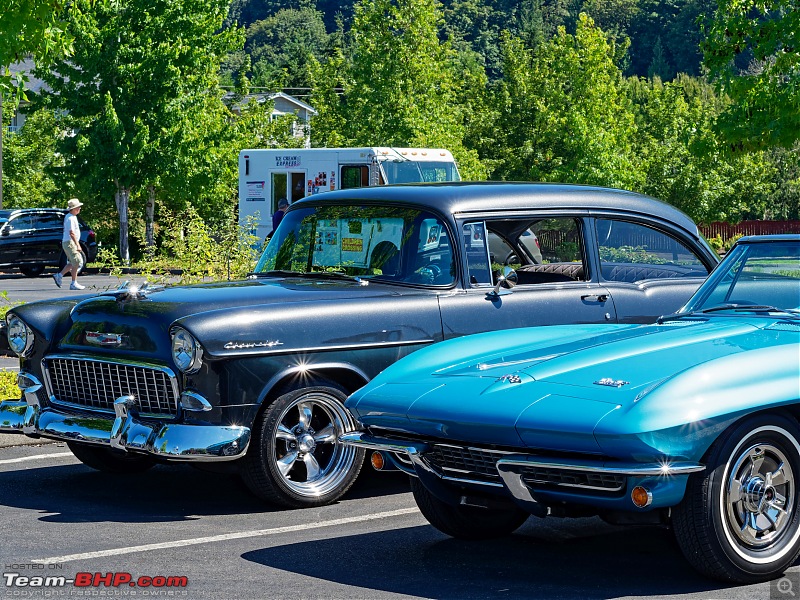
pixel 20 224
pixel 556 248
pixel 354 177
pixel 632 252
pixel 476 253
pixel 49 221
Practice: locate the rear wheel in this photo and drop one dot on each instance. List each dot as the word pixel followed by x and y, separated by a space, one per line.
pixel 739 520
pixel 110 461
pixel 32 270
pixel 466 522
pixel 295 457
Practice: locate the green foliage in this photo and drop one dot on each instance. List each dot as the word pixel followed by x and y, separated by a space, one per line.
pixel 282 45
pixel 28 158
pixel 139 96
pixel 6 304
pixel 564 112
pixel 8 385
pixel 753 49
pixel 191 250
pixel 630 254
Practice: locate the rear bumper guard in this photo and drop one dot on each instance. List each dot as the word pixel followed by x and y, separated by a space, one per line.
pixel 126 432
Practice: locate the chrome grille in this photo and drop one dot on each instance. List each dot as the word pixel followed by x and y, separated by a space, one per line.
pixel 465 463
pixel 538 476
pixel 96 384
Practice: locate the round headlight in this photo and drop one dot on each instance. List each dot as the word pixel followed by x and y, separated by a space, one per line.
pixel 20 337
pixel 186 352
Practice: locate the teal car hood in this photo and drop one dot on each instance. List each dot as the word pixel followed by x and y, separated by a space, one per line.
pixel 544 387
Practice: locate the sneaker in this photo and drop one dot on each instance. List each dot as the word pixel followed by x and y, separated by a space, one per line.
pixel 57 277
pixel 75 286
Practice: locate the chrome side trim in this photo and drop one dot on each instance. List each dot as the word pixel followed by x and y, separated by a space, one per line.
pixel 630 469
pixel 290 351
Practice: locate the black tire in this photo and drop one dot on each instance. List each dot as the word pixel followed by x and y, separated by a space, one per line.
pixel 295 458
pixel 110 461
pixel 466 522
pixel 739 519
pixel 32 270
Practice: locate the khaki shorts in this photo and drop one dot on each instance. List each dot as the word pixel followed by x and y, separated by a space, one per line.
pixel 73 253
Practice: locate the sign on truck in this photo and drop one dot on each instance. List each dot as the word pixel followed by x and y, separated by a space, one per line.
pixel 266 176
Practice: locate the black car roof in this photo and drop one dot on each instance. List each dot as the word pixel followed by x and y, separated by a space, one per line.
pixel 8 213
pixel 471 197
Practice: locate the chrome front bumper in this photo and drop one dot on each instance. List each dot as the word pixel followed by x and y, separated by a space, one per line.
pixel 126 432
pixel 512 468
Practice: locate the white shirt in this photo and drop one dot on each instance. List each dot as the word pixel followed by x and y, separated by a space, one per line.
pixel 71 224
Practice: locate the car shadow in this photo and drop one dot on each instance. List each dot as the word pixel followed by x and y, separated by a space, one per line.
pixel 545 559
pixel 165 493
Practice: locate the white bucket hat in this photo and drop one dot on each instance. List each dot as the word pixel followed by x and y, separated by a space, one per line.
pixel 74 203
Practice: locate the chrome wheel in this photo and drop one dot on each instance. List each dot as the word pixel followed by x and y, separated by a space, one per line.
pixel 295 458
pixel 759 496
pixel 306 451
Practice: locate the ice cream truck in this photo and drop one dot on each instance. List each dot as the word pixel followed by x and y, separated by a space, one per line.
pixel 266 176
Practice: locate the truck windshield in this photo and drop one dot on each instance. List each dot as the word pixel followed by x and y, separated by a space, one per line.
pixel 375 242
pixel 412 171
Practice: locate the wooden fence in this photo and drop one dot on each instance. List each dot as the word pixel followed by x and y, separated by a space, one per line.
pixel 726 230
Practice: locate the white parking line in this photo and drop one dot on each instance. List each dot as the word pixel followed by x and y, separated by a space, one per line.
pixel 223 538
pixel 9 461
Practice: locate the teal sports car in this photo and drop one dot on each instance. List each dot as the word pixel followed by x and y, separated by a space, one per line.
pixel 691 422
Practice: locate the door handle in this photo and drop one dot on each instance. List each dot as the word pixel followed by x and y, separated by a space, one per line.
pixel 595 298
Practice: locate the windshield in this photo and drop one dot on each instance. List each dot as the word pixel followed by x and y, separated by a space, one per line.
pixel 412 171
pixel 375 242
pixel 764 274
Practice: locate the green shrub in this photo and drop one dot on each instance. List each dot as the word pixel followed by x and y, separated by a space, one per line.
pixel 8 385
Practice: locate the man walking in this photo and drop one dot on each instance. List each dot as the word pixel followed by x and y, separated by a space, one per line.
pixel 70 242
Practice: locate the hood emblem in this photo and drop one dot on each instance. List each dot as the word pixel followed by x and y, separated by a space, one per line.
pixel 510 378
pixel 608 381
pixel 104 339
pixel 245 345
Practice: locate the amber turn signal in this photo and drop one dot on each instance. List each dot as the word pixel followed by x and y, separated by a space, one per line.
pixel 641 496
pixel 377 461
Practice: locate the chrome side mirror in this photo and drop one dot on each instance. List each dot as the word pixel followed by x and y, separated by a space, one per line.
pixel 507 280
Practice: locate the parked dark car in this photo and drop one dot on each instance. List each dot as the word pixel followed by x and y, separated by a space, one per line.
pixel 30 240
pixel 257 371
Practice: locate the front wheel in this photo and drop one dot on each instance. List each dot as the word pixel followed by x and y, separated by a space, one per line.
pixel 295 457
pixel 739 519
pixel 110 461
pixel 466 522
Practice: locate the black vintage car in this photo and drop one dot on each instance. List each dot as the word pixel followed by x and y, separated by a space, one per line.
pixel 30 240
pixel 257 371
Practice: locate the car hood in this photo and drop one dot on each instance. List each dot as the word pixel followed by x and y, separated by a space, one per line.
pixel 543 387
pixel 139 323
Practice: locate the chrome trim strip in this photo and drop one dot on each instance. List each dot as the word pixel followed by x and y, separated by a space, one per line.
pixel 631 469
pixel 289 351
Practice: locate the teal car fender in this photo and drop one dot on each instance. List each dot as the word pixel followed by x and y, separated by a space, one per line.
pixel 681 416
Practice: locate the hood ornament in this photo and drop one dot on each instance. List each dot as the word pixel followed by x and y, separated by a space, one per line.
pixel 129 291
pixel 608 381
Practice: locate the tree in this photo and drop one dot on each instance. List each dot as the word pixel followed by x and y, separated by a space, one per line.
pixel 565 114
pixel 139 69
pixel 753 51
pixel 399 87
pixel 280 47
